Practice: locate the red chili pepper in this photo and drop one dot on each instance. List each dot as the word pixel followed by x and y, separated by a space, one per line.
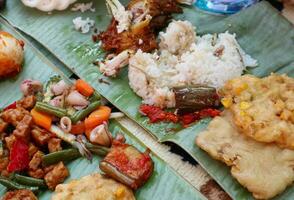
pixel 11 106
pixel 19 156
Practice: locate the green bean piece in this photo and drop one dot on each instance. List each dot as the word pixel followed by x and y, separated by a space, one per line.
pixel 95 97
pixel 11 185
pixel 97 149
pixel 46 108
pixel 25 180
pixel 64 155
pixel 82 114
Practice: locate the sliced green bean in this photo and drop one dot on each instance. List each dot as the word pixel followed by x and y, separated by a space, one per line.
pixel 16 186
pixel 95 97
pixel 82 114
pixel 46 108
pixel 97 149
pixel 25 180
pixel 64 155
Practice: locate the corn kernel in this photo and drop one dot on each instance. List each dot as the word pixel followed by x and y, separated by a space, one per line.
pixel 227 102
pixel 241 88
pixel 120 192
pixel 242 113
pixel 244 105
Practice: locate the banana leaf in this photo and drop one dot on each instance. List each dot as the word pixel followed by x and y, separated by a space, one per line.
pixel 36 66
pixel 260 30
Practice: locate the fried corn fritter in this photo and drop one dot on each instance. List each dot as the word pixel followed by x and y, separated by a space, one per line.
pixel 11 55
pixel 263 108
pixel 264 169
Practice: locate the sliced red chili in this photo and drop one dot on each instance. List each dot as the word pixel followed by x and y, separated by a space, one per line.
pixel 19 156
pixel 11 106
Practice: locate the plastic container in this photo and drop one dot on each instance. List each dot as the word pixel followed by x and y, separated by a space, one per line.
pixel 224 6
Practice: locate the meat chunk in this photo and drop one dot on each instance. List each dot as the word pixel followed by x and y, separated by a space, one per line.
pixel 32 150
pixel 36 160
pixel 40 136
pixel 54 144
pixel 27 102
pixel 3 125
pixel 13 116
pixel 23 128
pixel 19 195
pixel 3 165
pixel 39 173
pixel 9 140
pixel 56 176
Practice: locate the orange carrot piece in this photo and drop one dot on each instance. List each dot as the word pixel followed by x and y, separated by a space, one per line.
pixel 78 129
pixel 42 119
pixel 97 117
pixel 84 88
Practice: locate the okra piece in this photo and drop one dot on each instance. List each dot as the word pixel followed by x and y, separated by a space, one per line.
pixel 47 108
pixel 25 180
pixel 11 185
pixel 196 97
pixel 64 155
pixel 82 114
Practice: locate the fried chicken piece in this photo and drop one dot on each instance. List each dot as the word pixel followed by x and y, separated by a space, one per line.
pixel 38 173
pixel 11 55
pixel 36 160
pixel 56 176
pixel 54 144
pixel 9 140
pixel 27 102
pixel 40 136
pixel 3 125
pixel 263 108
pixel 13 116
pixel 20 195
pixel 264 169
pixel 23 128
pixel 148 16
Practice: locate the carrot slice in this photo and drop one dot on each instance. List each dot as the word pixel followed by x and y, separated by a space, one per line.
pixel 84 88
pixel 42 119
pixel 78 128
pixel 97 117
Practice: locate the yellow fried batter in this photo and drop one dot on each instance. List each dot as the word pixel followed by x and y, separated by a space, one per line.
pixel 263 108
pixel 264 169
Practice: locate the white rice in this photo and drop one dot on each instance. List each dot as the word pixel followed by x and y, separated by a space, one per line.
pixel 83 25
pixel 185 59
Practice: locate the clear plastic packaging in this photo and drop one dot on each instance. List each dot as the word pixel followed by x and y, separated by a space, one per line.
pixel 224 6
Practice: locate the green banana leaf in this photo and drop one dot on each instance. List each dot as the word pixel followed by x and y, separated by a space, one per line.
pixel 260 30
pixel 38 67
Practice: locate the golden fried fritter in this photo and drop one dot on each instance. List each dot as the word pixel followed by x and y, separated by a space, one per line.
pixel 264 169
pixel 263 108
pixel 11 55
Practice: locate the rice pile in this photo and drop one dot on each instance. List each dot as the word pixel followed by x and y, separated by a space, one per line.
pixel 185 59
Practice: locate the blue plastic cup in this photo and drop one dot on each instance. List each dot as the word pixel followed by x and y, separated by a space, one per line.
pixel 224 6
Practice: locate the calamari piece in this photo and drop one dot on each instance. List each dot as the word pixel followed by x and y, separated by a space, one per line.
pixel 264 169
pixel 48 5
pixel 112 66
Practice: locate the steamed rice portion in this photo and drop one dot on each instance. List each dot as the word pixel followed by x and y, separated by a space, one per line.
pixel 185 59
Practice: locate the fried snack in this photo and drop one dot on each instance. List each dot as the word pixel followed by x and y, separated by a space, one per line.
pixel 93 187
pixel 263 108
pixel 264 169
pixel 11 55
pixel 147 16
